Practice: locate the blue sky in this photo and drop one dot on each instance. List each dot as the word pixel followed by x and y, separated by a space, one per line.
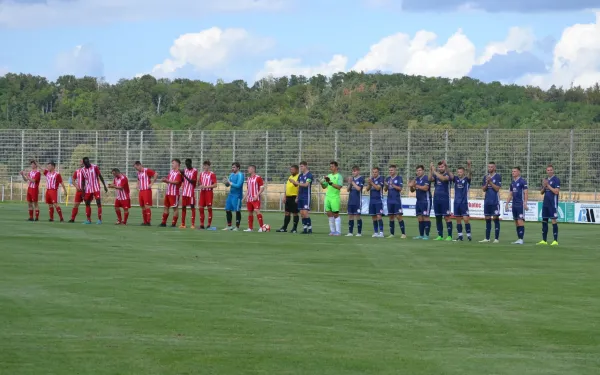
pixel 527 42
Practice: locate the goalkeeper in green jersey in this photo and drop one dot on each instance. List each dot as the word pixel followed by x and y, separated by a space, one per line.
pixel 333 183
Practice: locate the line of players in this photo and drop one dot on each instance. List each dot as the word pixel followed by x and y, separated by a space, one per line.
pixel 184 183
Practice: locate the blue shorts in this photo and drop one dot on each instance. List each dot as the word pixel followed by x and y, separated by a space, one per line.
pixel 441 207
pixel 518 212
pixel 354 209
pixel 549 212
pixel 423 208
pixel 491 210
pixel 233 203
pixel 394 208
pixel 376 208
pixel 304 203
pixel 461 209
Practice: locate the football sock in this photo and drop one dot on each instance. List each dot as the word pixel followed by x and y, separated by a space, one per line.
pixel 375 226
pixel 229 218
pixel 331 225
pixel 521 232
pixel 459 230
pixel 351 226
pixel 380 222
pixel 402 228
pixel 165 217
pixel 175 218
pixel 439 225
pixel 37 214
pixel 183 215
pixel 31 214
pixel 148 215
pixel 392 227
pixel 118 212
pixel 238 219
pixel 497 227
pixel 427 228
pixel 296 218
pixel 260 220
pixel 555 231
pixel 193 216
pixel 210 216
pixel 88 212
pixel 545 230
pixel 201 209
pixel 468 228
pixel 251 220
pixel 359 226
pixel 449 228
pixel 74 212
pixel 488 228
pixel 309 222
pixel 421 228
pixel 99 212
pixel 338 224
pixel 286 222
pixel 126 217
pixel 59 211
pixel 51 212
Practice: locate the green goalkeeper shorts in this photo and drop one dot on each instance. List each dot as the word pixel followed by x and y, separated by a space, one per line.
pixel 332 205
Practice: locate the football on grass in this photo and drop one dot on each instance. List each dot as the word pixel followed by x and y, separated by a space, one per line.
pixel 266 228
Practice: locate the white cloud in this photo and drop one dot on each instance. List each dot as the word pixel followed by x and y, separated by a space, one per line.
pixel 81 61
pixel 27 14
pixel 519 40
pixel 576 58
pixel 210 49
pixel 287 67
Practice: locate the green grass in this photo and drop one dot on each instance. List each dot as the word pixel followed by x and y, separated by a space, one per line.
pixel 78 299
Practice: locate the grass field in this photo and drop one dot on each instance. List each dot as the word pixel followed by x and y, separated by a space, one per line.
pixel 78 299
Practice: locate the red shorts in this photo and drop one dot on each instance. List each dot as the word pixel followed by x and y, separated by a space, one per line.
pixel 123 203
pixel 33 195
pixel 206 198
pixel 171 201
pixel 187 201
pixel 51 196
pixel 252 206
pixel 90 196
pixel 79 196
pixel 145 197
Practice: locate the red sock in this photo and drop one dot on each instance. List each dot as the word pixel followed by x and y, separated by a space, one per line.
pixel 88 212
pixel 183 215
pixel 174 221
pixel 74 213
pixel 148 215
pixel 260 220
pixel 165 217
pixel 118 211
pixel 251 221
pixel 37 214
pixel 144 216
pixel 126 217
pixel 59 213
pixel 209 216
pixel 193 217
pixel 100 213
pixel 51 212
pixel 31 214
pixel 201 209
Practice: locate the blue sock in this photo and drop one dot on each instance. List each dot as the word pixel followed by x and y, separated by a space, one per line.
pixel 309 222
pixel 359 226
pixel 380 222
pixel 402 226
pixel 375 226
pixel 427 228
pixel 459 230
pixel 449 228
pixel 555 231
pixel 518 229
pixel 488 228
pixel 497 227
pixel 468 228
pixel 304 222
pixel 521 232
pixel 421 228
pixel 545 230
pixel 350 226
pixel 392 227
pixel 439 225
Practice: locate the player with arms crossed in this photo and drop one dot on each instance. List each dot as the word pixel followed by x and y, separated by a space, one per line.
pixel 422 186
pixel 91 174
pixel 78 182
pixel 519 195
pixel 255 188
pixel 492 183
pixel 291 200
pixel 53 180
pixel 235 183
pixel 462 184
pixel 393 186
pixel 355 187
pixel 188 191
pixel 304 184
pixel 33 190
pixel 441 198
pixel 207 182
pixel 122 198
pixel 146 178
pixel 550 190
pixel 375 188
pixel 173 182
pixel 333 183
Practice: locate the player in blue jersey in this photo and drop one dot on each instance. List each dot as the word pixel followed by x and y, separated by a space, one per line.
pixel 375 188
pixel 442 180
pixel 304 184
pixel 422 186
pixel 519 195
pixel 492 183
pixel 355 188
pixel 550 190
pixel 393 186
pixel 462 184
pixel 235 183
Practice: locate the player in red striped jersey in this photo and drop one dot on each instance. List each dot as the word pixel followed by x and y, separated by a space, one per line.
pixel 255 187
pixel 33 190
pixel 188 192
pixel 53 180
pixel 173 182
pixel 78 182
pixel 122 198
pixel 91 175
pixel 207 181
pixel 146 178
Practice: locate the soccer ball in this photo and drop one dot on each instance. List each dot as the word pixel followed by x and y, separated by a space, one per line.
pixel 266 228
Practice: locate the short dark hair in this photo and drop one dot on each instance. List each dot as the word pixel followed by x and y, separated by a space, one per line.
pixel 459 168
pixel 52 163
pixel 177 160
pixel 491 163
pixel 236 164
pixel 31 161
pixel 295 166
pixel 137 162
pixel 420 166
pixel 550 166
pixel 440 163
pixel 355 168
pixel 206 162
pixel 304 163
pixel 252 166
pixel 116 170
pixel 333 162
pixel 86 159
pixel 393 166
pixel 378 169
pixel 188 161
pixel 517 168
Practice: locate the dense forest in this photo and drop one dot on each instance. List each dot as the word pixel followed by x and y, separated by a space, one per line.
pixel 342 101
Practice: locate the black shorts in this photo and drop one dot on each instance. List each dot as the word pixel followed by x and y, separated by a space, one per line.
pixel 290 205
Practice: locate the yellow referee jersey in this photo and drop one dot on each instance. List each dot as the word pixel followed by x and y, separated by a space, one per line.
pixel 290 189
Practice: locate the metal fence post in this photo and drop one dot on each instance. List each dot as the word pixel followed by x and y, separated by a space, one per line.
pixel 300 147
pixel 570 164
pixel 233 146
pixel 408 156
pixel 171 149
pixel 335 156
pixel 141 145
pixel 127 154
pixel 22 149
pixel 202 146
pixel 59 147
pixel 11 188
pixel 267 169
pixel 487 146
pixel 370 150
pixel 96 146
pixel 446 148
pixel 528 152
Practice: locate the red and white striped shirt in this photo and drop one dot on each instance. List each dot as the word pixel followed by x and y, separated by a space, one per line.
pixel 92 184
pixel 78 178
pixel 187 189
pixel 144 179
pixel 53 179
pixel 173 189
pixel 35 176
pixel 122 182
pixel 208 179
pixel 254 184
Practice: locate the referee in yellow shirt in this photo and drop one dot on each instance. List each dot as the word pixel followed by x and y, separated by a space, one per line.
pixel 291 201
